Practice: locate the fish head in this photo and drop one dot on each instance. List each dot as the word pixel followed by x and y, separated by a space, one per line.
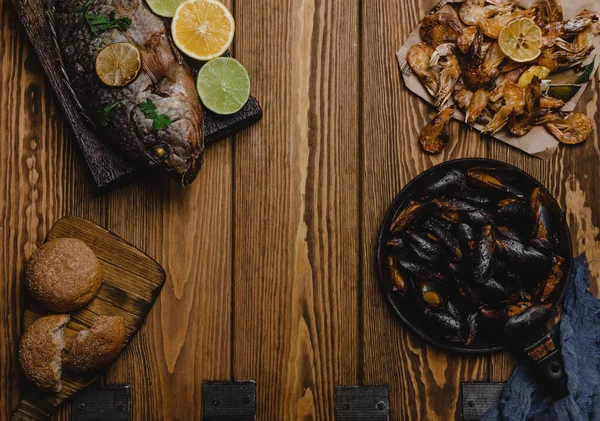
pixel 177 148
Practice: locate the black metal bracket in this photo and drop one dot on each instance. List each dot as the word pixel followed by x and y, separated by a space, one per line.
pixel 226 401
pixel 102 403
pixel 362 403
pixel 478 397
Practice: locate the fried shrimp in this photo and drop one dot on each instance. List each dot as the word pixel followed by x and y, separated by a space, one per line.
pixel 492 27
pixel 418 58
pixel 462 95
pixel 557 59
pixel 466 38
pixel 439 28
pixel 550 103
pixel 569 128
pixel 513 103
pixel 434 136
pixel 477 105
pixel 474 11
pixel 520 125
pixel 444 57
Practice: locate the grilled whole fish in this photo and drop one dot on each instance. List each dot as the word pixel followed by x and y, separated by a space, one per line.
pixel 164 78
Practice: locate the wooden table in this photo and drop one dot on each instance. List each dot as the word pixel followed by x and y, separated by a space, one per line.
pixel 270 254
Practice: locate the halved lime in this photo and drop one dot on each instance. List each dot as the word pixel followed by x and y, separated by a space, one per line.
pixel 165 8
pixel 223 85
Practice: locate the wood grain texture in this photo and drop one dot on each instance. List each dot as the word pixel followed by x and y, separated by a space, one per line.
pixel 270 255
pixel 131 284
pixel 296 207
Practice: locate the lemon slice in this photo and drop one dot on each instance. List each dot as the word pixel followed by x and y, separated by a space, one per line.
pixel 202 29
pixel 118 64
pixel 521 40
pixel 164 8
pixel 223 85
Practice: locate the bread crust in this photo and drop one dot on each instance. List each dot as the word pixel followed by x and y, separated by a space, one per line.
pixel 40 351
pixel 63 275
pixel 97 347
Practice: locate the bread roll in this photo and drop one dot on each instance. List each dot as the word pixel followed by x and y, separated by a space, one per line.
pixel 97 347
pixel 40 351
pixel 63 275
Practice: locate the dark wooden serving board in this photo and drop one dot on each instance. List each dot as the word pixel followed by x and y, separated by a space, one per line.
pixel 132 281
pixel 107 167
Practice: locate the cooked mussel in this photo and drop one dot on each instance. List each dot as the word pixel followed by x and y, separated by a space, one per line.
pixel 408 216
pixel 514 309
pixel 447 324
pixel 449 183
pixel 484 254
pixel 524 259
pixel 426 249
pixel 529 321
pixel 452 209
pixel 492 179
pixel 544 220
pixel 431 292
pixel 399 282
pixel 417 270
pixel 510 209
pixel 476 197
pixel 473 326
pixel 553 279
pixel 444 236
pixel 492 291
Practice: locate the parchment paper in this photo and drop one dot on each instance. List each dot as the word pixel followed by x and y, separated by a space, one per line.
pixel 538 142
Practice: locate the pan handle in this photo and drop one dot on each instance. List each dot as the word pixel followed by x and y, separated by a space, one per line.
pixel 547 364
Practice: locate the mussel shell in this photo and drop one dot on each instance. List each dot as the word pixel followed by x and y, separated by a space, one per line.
pixel 413 269
pixel 492 179
pixel 511 209
pixel 484 254
pixel 426 249
pixel 473 328
pixel 476 197
pixel 445 237
pixel 408 216
pixel 549 284
pixel 449 326
pixel 529 321
pixel 400 283
pixel 432 293
pixel 449 183
pixel 492 291
pixel 544 220
pixel 525 260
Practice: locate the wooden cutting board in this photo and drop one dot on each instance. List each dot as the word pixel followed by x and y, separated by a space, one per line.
pixel 107 167
pixel 132 281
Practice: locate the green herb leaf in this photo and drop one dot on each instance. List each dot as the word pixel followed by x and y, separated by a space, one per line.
pixel 100 24
pixel 159 121
pixel 587 71
pixel 85 6
pixel 148 108
pixel 107 114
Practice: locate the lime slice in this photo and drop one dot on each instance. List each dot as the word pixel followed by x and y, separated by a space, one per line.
pixel 165 8
pixel 223 85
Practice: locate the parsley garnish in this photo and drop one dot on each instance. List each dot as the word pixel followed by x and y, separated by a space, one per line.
pixel 159 121
pixel 586 74
pixel 107 114
pixel 85 6
pixel 102 23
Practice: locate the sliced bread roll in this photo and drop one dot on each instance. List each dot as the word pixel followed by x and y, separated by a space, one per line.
pixel 97 347
pixel 40 351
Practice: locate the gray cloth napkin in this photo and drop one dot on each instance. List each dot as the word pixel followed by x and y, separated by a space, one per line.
pixel 580 337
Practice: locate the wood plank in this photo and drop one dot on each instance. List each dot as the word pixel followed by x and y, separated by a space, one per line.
pixel 40 182
pixel 424 381
pixel 37 405
pixel 187 338
pixel 296 207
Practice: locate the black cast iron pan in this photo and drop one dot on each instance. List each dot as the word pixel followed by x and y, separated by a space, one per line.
pixel 407 311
